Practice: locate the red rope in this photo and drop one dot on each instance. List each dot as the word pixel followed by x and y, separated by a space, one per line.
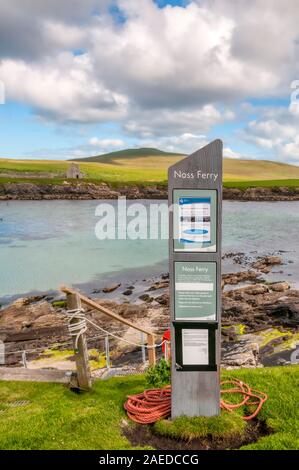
pixel 251 397
pixel 152 405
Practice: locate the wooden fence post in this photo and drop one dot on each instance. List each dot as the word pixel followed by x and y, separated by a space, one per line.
pixel 151 350
pixel 81 354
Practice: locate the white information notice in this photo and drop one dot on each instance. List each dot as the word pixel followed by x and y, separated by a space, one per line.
pixel 195 345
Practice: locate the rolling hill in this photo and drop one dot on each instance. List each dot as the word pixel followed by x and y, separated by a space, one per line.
pixel 132 154
pixel 234 170
pixel 144 166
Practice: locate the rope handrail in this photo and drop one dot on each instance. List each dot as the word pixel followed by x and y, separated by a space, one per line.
pixel 105 310
pixel 79 328
pixel 68 343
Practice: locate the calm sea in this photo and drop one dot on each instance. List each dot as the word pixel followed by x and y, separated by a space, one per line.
pixel 44 244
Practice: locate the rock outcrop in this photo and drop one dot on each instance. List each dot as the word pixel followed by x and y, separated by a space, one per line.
pixel 85 190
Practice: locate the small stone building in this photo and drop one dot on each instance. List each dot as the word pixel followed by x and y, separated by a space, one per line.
pixel 74 171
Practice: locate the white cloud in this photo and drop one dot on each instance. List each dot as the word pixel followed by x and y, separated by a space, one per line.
pixel 161 74
pixel 65 89
pixel 276 131
pixel 64 36
pixel 172 58
pixel 151 122
pixel 229 153
pixel 106 143
pixel 185 143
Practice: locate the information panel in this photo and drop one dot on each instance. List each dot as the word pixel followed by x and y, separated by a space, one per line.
pixel 195 290
pixel 195 347
pixel 195 220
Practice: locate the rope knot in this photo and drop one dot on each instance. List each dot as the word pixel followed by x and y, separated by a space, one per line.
pixel 76 323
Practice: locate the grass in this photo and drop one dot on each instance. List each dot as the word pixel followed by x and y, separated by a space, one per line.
pixel 225 425
pixel 280 412
pixel 59 419
pixel 147 167
pixel 96 359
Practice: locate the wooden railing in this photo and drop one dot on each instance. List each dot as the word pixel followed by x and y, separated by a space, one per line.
pixel 74 300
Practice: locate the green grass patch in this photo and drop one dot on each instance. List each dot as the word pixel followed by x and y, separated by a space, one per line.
pixel 60 419
pixel 187 429
pixel 141 168
pixel 97 360
pixel 280 411
pixel 59 303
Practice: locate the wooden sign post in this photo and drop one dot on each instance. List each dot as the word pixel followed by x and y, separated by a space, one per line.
pixel 195 200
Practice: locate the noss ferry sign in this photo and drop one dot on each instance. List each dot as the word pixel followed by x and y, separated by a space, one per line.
pixel 195 200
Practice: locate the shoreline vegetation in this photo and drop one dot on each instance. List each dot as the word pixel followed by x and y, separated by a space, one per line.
pixel 139 174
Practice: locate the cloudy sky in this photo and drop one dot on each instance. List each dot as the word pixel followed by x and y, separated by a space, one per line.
pixel 83 77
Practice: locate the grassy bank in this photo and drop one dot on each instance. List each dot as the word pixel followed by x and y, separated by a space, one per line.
pixel 56 418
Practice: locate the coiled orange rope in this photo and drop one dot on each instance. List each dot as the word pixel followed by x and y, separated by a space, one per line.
pixel 152 405
pixel 251 397
pixel 149 406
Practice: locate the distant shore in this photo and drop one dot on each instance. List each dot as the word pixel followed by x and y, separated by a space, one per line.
pixel 86 190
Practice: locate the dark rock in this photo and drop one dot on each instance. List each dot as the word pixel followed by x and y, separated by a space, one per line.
pixel 264 264
pixel 163 299
pixel 236 278
pixel 279 286
pixel 81 190
pixel 111 287
pixel 244 353
pixel 146 298
pixel 159 285
pixel 128 292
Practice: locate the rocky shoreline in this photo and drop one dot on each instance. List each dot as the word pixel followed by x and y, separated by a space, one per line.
pixel 260 321
pixel 85 191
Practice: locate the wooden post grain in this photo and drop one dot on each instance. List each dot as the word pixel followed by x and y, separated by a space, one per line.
pixel 81 354
pixel 151 350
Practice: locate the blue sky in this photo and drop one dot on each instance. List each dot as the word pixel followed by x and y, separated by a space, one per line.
pixel 106 75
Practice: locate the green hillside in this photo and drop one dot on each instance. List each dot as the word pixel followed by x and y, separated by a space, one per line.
pixel 144 166
pixel 132 154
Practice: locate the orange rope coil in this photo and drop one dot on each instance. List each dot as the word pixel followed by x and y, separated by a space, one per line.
pixel 151 405
pixel 251 397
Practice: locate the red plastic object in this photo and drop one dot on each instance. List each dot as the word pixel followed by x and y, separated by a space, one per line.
pixel 166 337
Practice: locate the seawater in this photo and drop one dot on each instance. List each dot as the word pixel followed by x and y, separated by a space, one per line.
pixel 44 244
